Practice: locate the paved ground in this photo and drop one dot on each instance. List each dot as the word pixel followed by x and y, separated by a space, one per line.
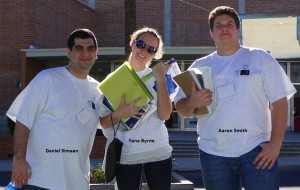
pixel 281 188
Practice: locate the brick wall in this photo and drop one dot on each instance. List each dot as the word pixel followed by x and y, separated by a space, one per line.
pixel 189 22
pixel 6 144
pixel 6 150
pixel 151 15
pixel 273 7
pixel 110 23
pixel 47 24
pixel 98 148
pixel 56 19
pixel 13 23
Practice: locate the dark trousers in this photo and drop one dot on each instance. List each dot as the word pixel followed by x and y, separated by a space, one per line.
pixel 158 175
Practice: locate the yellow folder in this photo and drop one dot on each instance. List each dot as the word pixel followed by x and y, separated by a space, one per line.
pixel 125 80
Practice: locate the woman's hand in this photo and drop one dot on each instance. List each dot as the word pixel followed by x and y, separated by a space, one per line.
pixel 160 70
pixel 164 104
pixel 128 110
pixel 123 111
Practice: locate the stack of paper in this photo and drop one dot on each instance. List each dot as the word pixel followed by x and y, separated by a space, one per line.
pixel 172 88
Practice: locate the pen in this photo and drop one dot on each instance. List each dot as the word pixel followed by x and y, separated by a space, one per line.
pixel 149 75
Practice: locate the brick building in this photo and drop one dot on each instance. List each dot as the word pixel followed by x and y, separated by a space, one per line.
pixel 33 36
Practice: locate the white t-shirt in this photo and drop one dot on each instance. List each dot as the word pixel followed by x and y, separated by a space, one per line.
pixel 242 118
pixel 61 112
pixel 149 140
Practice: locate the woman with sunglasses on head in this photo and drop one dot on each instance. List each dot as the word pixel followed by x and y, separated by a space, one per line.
pixel 146 149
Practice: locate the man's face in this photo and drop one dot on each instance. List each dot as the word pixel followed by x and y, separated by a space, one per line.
pixel 224 30
pixel 83 54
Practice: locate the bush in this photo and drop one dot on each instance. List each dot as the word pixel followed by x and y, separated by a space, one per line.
pixel 97 175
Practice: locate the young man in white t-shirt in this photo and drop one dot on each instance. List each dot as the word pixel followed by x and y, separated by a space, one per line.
pixel 56 120
pixel 240 141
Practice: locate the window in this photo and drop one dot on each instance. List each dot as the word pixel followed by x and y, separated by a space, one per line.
pixel 89 3
pixel 295 72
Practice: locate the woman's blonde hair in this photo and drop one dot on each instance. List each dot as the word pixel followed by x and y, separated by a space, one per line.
pixel 134 36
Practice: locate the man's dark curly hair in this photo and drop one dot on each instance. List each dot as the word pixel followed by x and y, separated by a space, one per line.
pixel 83 34
pixel 223 10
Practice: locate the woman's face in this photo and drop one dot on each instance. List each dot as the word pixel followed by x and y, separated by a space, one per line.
pixel 143 50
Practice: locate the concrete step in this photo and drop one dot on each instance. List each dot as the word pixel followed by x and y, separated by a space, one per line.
pixel 189 148
pixel 195 154
pixel 290 149
pixel 195 148
pixel 289 154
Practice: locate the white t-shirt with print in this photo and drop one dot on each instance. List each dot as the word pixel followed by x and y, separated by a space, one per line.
pixel 242 118
pixel 61 112
pixel 150 139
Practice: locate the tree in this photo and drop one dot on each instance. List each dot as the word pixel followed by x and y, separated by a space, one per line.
pixel 130 23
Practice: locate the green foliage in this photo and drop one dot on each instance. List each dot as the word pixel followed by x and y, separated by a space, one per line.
pixel 97 175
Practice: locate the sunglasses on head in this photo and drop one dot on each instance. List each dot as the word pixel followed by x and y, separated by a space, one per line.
pixel 142 45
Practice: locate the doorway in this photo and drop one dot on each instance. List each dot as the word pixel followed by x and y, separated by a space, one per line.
pixel 295 100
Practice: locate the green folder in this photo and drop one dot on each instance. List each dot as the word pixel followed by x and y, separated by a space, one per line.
pixel 124 80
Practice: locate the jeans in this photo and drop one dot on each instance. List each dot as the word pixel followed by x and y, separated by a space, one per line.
pixel 158 175
pixel 225 173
